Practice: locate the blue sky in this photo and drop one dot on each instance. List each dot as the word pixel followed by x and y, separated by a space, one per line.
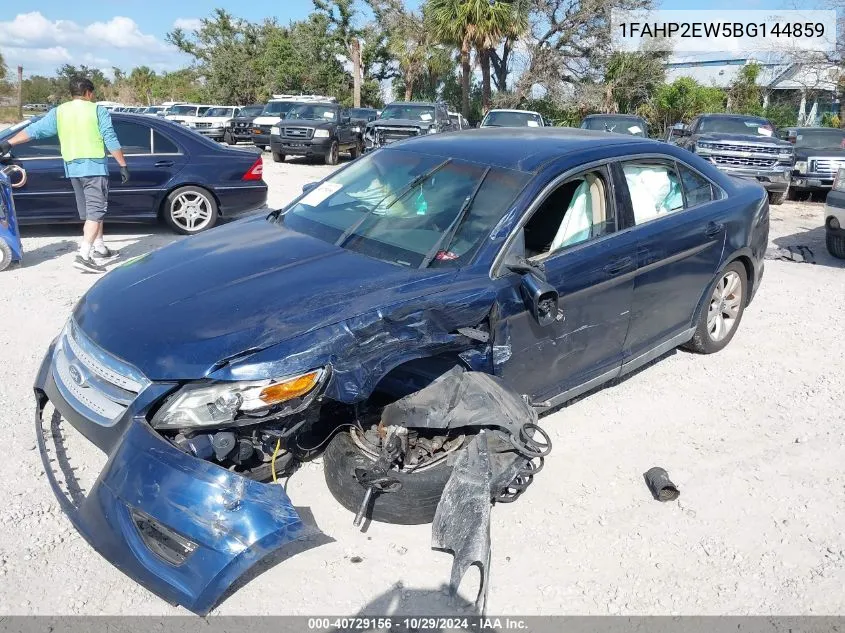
pixel 48 33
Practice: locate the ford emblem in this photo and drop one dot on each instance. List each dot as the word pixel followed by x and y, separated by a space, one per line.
pixel 76 375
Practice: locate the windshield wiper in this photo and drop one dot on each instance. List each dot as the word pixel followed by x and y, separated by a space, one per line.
pixel 402 193
pixel 456 223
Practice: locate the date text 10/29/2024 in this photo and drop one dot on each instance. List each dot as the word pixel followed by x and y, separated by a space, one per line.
pixel 418 623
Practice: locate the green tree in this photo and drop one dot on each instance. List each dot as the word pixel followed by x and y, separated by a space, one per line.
pixel 680 101
pixel 344 35
pixel 453 22
pixel 744 95
pixel 3 70
pixel 631 79
pixel 67 72
pixel 142 79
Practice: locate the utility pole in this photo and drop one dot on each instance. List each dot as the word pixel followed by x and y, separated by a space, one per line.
pixel 20 92
pixel 356 72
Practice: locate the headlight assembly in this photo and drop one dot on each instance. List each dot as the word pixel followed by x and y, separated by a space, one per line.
pixel 237 403
pixel 321 134
pixel 801 166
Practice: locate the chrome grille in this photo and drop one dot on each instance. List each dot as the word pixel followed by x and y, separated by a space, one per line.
pixel 731 147
pixel 298 132
pixel 739 161
pixel 95 383
pixel 200 125
pixel 826 165
pixel 242 124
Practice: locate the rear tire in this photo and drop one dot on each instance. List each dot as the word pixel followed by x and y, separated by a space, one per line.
pixel 726 295
pixel 777 198
pixel 190 210
pixel 413 504
pixel 5 255
pixel 332 155
pixel 835 245
pixel 278 157
pixel 229 139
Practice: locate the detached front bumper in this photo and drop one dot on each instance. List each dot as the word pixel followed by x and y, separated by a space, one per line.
pixel 312 147
pixel 182 527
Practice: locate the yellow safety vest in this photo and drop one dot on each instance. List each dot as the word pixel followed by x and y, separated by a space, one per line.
pixel 79 130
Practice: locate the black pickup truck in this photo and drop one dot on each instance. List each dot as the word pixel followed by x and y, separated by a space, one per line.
pixel 742 146
pixel 819 153
pixel 315 129
pixel 240 128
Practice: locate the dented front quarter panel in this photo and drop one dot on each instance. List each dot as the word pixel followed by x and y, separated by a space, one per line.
pixel 361 350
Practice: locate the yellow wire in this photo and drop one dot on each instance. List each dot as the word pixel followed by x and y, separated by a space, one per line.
pixel 273 459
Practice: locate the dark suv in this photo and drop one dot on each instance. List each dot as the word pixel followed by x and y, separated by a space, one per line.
pixel 240 128
pixel 819 153
pixel 401 120
pixel 315 129
pixel 742 146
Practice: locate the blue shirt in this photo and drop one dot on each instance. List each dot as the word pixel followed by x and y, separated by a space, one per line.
pixel 48 126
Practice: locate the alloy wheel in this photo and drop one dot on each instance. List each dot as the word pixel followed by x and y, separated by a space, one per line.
pixel 191 211
pixel 725 306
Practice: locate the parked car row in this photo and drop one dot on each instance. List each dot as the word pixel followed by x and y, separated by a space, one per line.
pixel 178 177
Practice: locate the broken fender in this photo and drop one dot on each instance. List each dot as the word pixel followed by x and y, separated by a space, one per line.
pixel 182 527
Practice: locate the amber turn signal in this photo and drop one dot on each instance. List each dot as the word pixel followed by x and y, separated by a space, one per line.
pixel 293 388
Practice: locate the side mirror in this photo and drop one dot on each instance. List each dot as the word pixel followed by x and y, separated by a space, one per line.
pixel 309 186
pixel 541 299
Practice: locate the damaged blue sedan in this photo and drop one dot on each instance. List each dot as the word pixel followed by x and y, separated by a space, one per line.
pixel 437 291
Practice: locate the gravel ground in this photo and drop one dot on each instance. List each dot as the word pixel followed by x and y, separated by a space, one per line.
pixel 752 436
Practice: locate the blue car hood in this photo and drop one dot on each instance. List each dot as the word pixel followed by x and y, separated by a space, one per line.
pixel 182 311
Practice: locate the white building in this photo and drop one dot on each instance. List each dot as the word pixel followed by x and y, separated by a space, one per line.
pixel 811 88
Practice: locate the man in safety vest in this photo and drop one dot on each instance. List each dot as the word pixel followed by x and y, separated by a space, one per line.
pixel 85 132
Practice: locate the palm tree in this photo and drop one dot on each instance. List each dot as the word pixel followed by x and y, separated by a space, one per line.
pixel 474 24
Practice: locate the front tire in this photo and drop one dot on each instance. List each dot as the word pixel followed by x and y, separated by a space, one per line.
pixel 835 245
pixel 722 311
pixel 413 504
pixel 278 157
pixel 332 156
pixel 190 210
pixel 356 150
pixel 776 198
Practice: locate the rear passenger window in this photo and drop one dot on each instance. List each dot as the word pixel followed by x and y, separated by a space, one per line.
pixel 655 190
pixel 697 188
pixel 41 148
pixel 134 138
pixel 163 145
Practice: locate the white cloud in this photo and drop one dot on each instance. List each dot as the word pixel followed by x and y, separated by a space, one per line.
pixel 120 32
pixel 40 44
pixel 187 24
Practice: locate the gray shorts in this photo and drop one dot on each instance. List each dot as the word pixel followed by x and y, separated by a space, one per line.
pixel 92 197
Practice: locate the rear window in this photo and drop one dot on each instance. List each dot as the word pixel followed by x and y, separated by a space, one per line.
pixel 512 119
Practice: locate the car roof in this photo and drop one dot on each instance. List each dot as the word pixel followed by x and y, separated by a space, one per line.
pixel 413 103
pixel 730 115
pixel 612 116
pixel 522 149
pixel 514 110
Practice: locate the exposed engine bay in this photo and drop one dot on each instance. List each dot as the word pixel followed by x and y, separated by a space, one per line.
pixel 468 428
